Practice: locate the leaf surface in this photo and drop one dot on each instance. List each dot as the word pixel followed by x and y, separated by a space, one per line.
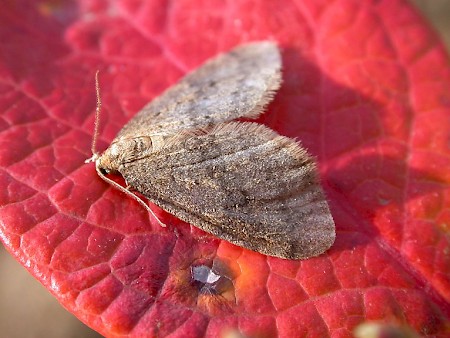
pixel 365 89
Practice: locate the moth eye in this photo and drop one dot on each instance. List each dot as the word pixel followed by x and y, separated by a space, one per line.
pixel 104 171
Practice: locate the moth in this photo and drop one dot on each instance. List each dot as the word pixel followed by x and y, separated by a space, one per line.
pixel 237 180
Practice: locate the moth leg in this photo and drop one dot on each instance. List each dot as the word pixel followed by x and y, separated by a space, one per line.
pixel 128 186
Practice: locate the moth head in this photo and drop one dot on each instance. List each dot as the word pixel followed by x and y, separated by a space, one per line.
pixel 122 151
pixel 111 159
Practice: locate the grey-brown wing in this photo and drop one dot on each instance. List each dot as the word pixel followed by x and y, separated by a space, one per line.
pixel 243 183
pixel 236 84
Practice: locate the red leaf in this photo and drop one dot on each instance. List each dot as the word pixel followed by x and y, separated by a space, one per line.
pixel 365 89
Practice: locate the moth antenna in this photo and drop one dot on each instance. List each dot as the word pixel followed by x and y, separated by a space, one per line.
pixel 96 122
pixel 127 192
pixel 97 113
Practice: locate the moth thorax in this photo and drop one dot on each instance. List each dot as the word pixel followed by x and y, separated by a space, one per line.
pixel 123 151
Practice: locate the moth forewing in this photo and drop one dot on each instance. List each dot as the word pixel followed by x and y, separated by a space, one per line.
pixel 244 183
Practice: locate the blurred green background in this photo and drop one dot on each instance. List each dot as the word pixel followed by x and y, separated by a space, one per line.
pixel 28 310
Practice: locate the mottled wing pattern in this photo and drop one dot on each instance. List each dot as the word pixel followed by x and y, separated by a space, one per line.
pixel 243 183
pixel 236 84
